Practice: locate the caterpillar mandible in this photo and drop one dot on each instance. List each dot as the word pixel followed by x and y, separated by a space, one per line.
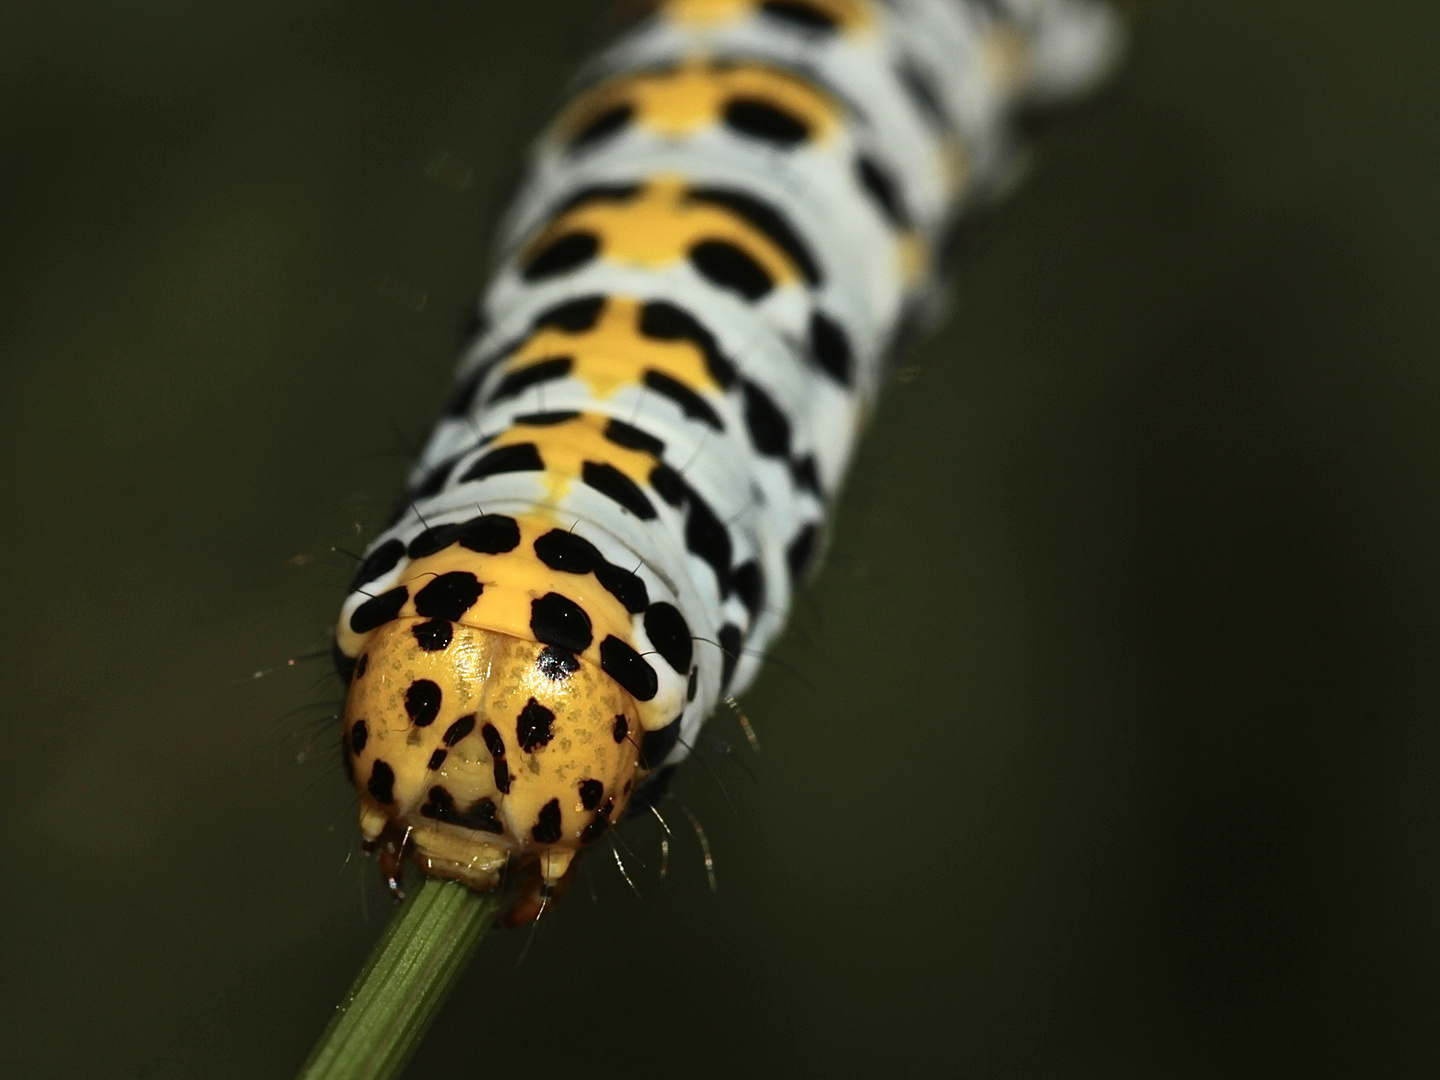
pixel 722 238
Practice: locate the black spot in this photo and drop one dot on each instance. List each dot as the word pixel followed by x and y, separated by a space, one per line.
pixel 435 538
pixel 460 728
pixel 882 189
pixel 437 759
pixel 359 736
pixel 547 419
pixel 607 123
pixel 502 775
pixel 534 727
pixel 573 316
pixel 615 485
pixel 693 684
pixel 632 438
pixel 434 480
pixel 620 728
pixel 422 702
pixel 481 816
pixel 667 482
pixel 522 457
pixel 749 582
pixel 517 382
pixel 830 349
pixel 655 746
pixel 599 823
pixel 691 403
pixel 731 267
pixel 381 785
pixel 806 475
pixel 767 220
pixel 922 94
pixel 434 635
pixel 449 596
pixel 768 427
pixel 489 534
pixel 557 620
pixel 362 665
pixel 344 665
pixel 346 762
pixel 556 664
pixel 670 634
pixel 496 745
pixel 547 825
pixel 800 550
pixel 601 126
pixel 707 537
pixel 664 321
pixel 761 120
pixel 591 791
pixel 798 14
pixel 628 668
pixel 597 193
pixel 561 255
pixel 627 587
pixel 378 610
pixel 562 550
pixel 731 642
pixel 378 563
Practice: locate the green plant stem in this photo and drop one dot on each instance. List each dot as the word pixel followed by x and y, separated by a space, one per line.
pixel 404 982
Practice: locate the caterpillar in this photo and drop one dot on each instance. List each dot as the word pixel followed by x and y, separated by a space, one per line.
pixel 723 237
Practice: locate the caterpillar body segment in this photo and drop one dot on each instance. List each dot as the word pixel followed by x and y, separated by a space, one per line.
pixel 721 239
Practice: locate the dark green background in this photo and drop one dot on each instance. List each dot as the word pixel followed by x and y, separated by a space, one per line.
pixel 1106 745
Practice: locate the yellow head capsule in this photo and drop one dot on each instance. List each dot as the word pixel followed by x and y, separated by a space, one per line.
pixel 486 749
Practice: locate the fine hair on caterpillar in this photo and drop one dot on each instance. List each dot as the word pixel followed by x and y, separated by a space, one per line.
pixel 718 248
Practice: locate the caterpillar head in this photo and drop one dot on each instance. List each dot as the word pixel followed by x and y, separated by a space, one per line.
pixel 482 749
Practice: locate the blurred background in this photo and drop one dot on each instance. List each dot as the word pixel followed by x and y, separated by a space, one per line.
pixel 1105 745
